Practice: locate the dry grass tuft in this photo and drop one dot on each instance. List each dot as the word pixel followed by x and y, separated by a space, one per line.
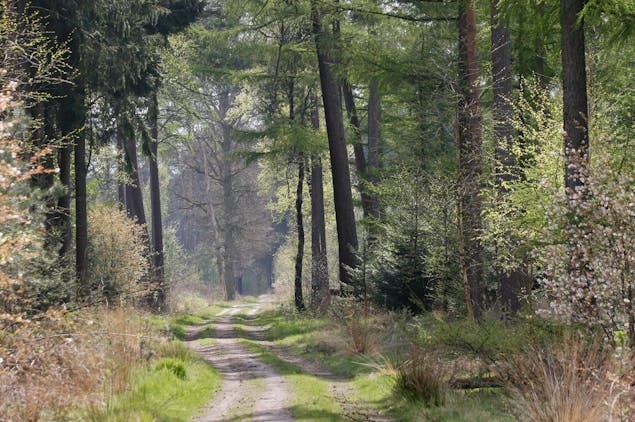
pixel 424 376
pixel 358 319
pixel 562 383
pixel 48 369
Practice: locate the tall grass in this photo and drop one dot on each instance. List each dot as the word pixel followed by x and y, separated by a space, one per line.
pixel 562 383
pixel 51 369
pixel 424 376
pixel 358 319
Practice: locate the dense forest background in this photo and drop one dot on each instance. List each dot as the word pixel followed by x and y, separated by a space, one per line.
pixel 467 159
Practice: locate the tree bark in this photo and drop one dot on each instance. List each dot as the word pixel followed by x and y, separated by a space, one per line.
pixel 576 133
pixel 299 193
pixel 77 108
pixel 469 151
pixel 64 201
pixel 374 136
pixel 211 211
pixel 510 282
pixel 358 148
pixel 121 171
pixel 269 271
pixel 228 200
pixel 298 296
pixel 155 206
pixel 576 128
pixel 343 198
pixel 320 296
pixel 134 195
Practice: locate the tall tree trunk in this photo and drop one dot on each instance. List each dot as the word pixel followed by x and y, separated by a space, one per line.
pixel 374 136
pixel 50 125
pixel 239 284
pixel 511 281
pixel 358 148
pixel 576 134
pixel 77 108
pixel 269 271
pixel 299 194
pixel 228 200
pixel 469 149
pixel 299 300
pixel 64 201
pixel 320 296
pixel 211 212
pixel 576 128
pixel 155 205
pixel 121 172
pixel 134 194
pixel 343 198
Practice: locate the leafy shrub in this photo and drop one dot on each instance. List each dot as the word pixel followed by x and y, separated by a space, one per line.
pixel 117 255
pixel 20 238
pixel 582 250
pixel 589 271
pixel 492 339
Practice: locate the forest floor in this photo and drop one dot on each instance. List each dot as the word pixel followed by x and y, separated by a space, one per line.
pixel 264 381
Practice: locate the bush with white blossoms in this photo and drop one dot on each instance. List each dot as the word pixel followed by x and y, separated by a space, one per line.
pixel 589 269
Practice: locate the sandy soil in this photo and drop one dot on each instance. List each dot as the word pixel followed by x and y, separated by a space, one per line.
pixel 251 390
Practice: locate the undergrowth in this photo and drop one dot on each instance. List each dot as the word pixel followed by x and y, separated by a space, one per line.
pixel 103 365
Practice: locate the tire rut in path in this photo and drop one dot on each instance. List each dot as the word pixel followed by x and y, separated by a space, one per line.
pixel 251 390
pixel 340 388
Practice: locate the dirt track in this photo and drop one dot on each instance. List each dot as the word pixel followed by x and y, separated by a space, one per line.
pixel 252 390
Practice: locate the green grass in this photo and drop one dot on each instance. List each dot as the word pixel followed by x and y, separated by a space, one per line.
pixel 170 389
pixel 481 405
pixel 301 334
pixel 311 400
pixel 178 324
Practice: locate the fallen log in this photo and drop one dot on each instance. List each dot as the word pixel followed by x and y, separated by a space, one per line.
pixel 474 383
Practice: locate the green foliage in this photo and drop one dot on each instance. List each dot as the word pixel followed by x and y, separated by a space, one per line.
pixel 516 220
pixel 26 43
pixel 177 351
pixel 371 379
pixel 414 267
pixel 117 255
pixel 491 339
pixel 177 265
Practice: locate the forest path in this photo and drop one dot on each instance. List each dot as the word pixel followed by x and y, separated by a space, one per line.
pixel 252 390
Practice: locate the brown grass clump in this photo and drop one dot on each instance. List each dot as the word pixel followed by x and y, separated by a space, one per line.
pixel 424 376
pixel 358 319
pixel 44 367
pixel 561 383
pixel 49 369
